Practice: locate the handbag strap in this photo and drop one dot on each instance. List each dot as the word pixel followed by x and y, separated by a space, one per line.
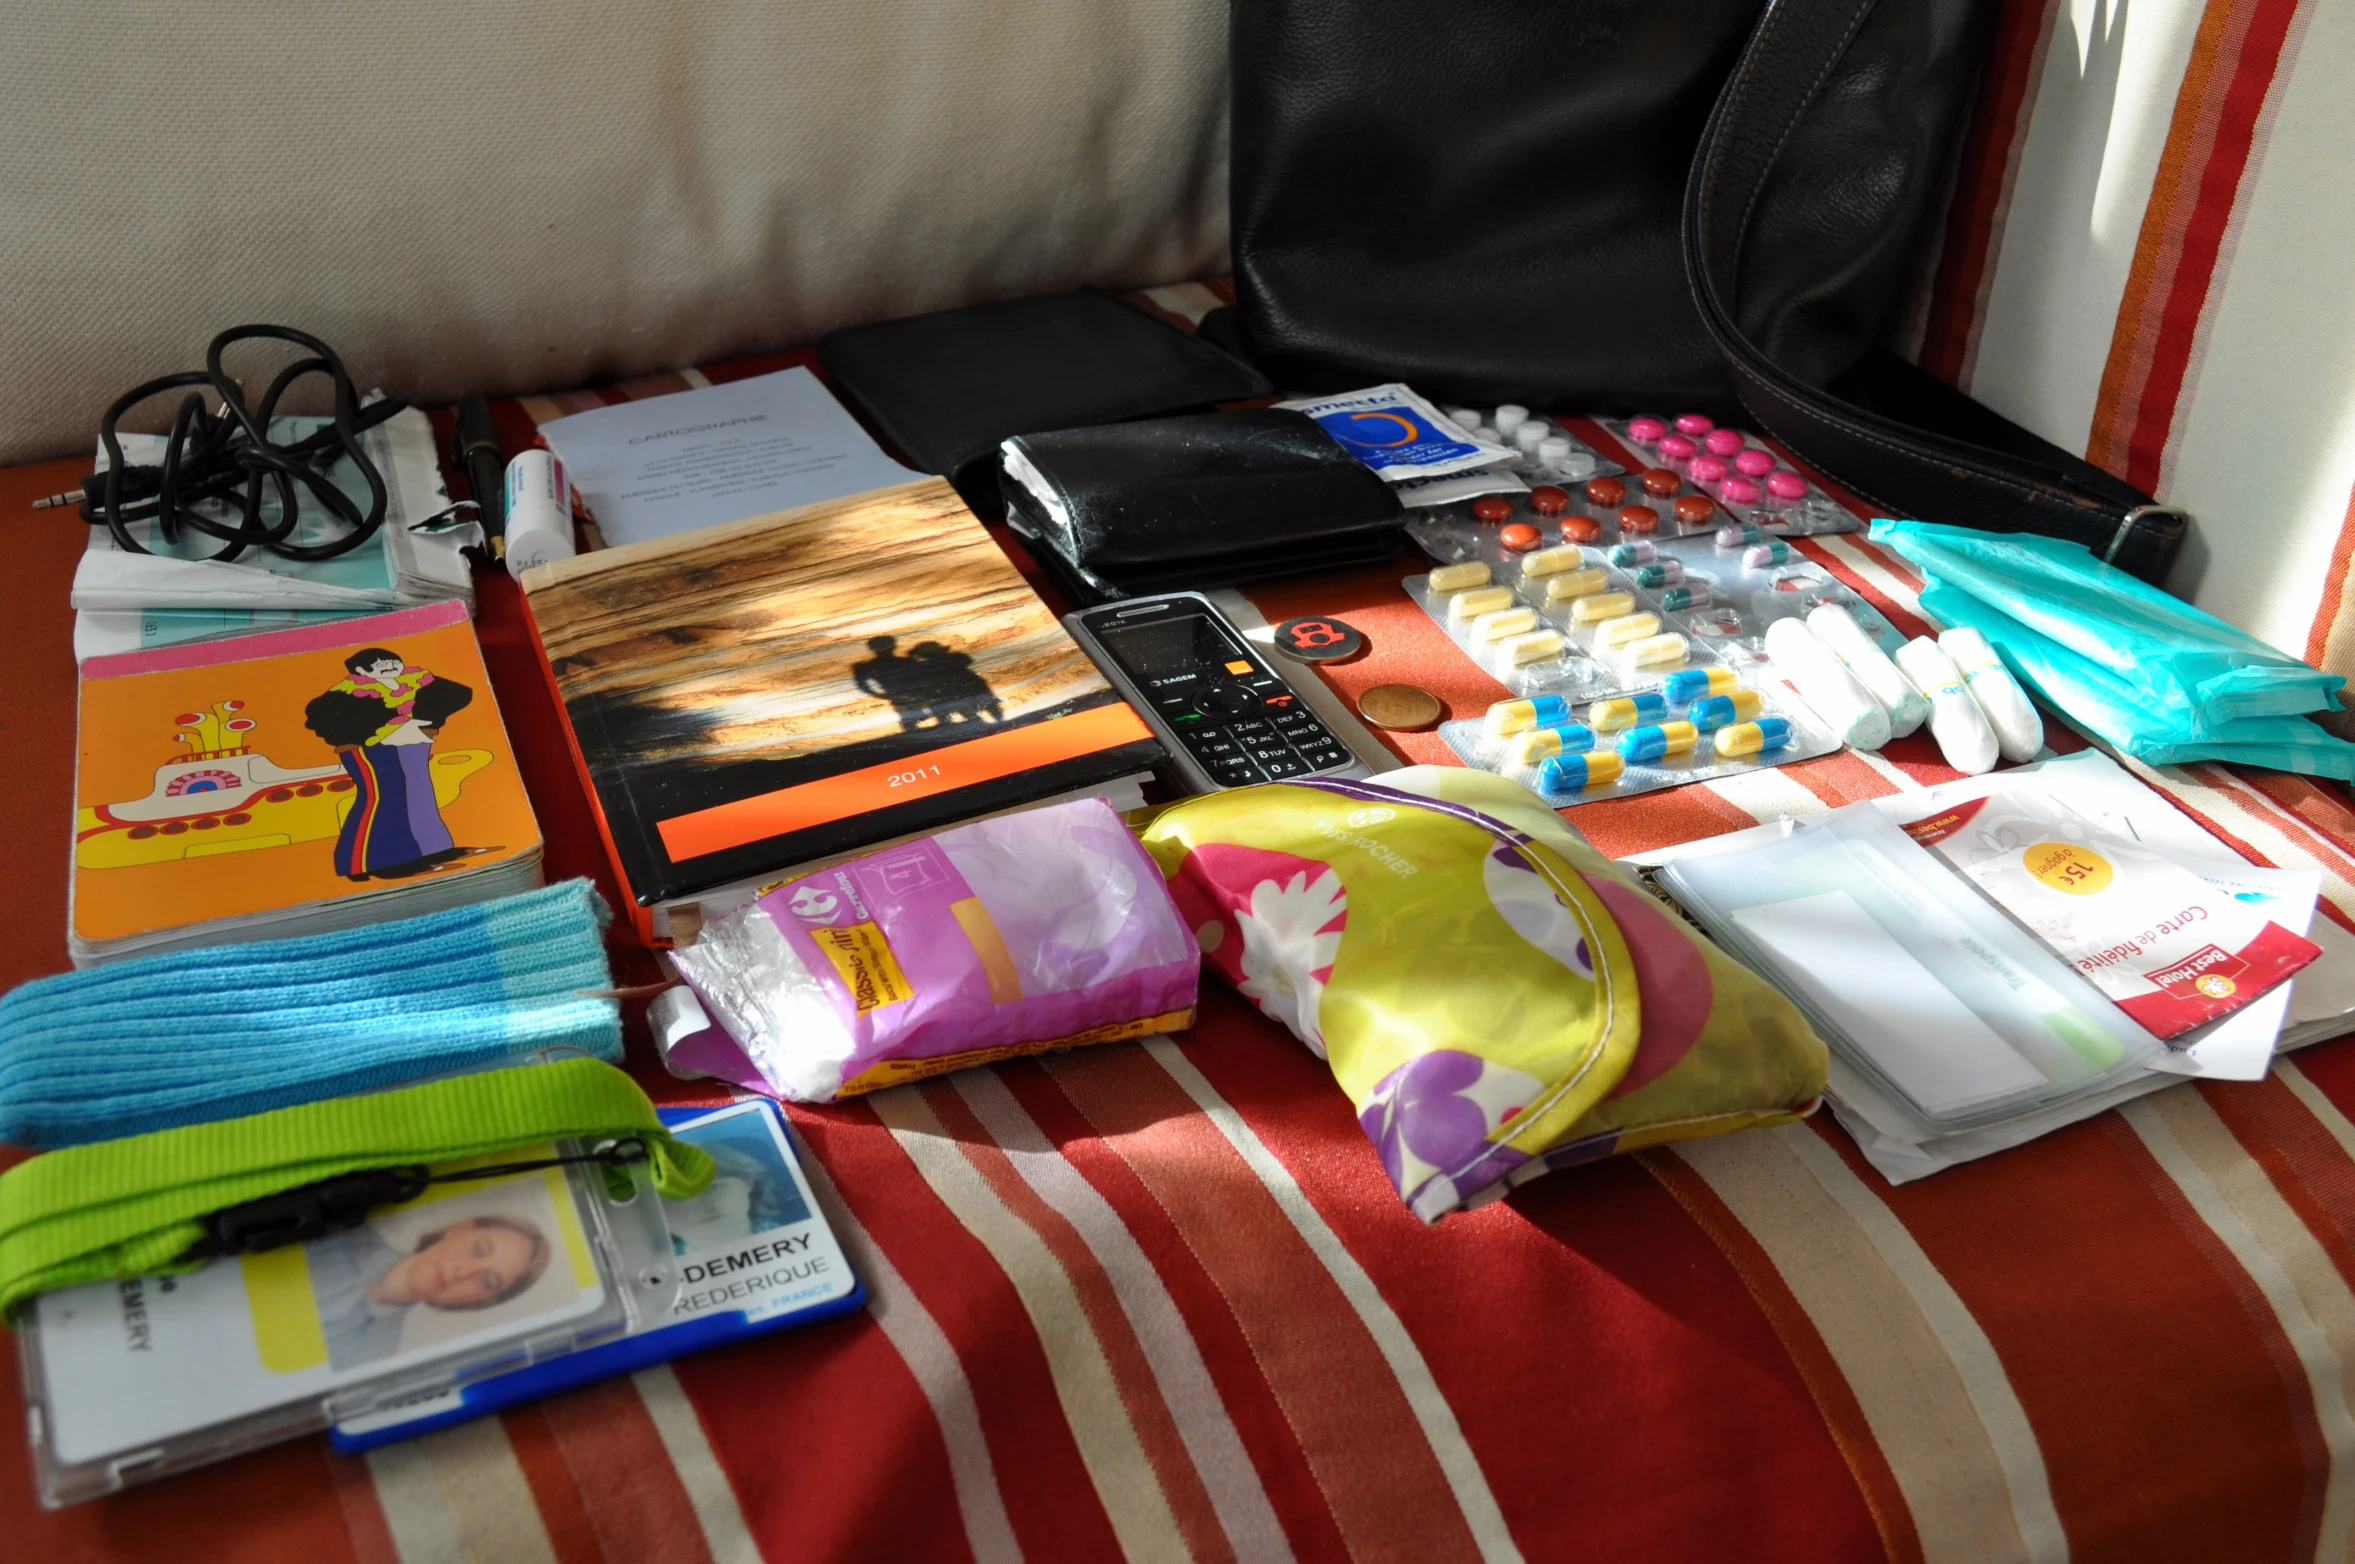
pixel 133 1207
pixel 1922 449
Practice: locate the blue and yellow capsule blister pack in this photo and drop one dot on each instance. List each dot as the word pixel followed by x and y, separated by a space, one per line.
pixel 1696 725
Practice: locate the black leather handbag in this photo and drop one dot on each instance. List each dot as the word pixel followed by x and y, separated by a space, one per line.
pixel 1621 203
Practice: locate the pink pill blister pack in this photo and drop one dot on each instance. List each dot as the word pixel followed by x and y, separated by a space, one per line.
pixel 1734 470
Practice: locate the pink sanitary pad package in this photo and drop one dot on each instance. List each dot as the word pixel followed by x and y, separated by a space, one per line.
pixel 1044 929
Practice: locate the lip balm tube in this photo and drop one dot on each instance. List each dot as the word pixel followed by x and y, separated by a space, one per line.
pixel 539 511
pixel 1601 606
pixel 1540 743
pixel 1455 578
pixel 1478 601
pixel 1638 745
pixel 1626 711
pixel 1665 573
pixel 1738 534
pixel 1690 684
pixel 1548 561
pixel 1507 718
pixel 1712 712
pixel 1692 595
pixel 1641 552
pixel 1762 556
pixel 1626 630
pixel 1764 736
pixel 1571 585
pixel 1577 773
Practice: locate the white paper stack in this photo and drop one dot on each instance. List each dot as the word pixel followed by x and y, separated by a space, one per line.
pixel 126 602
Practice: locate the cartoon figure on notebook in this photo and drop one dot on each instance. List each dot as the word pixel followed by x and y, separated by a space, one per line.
pixel 382 720
pixel 365 1287
pixel 930 686
pixel 218 796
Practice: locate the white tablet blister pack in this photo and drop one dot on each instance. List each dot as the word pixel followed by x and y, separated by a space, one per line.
pixel 1610 610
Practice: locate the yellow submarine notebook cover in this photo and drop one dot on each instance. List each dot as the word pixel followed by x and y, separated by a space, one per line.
pixel 234 777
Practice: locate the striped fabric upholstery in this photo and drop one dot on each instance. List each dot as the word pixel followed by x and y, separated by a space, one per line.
pixel 1158 1300
pixel 2149 258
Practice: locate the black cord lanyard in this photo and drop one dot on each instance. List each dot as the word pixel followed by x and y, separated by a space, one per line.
pixel 224 460
pixel 311 1211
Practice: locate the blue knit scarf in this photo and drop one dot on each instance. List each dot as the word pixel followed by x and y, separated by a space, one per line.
pixel 229 1030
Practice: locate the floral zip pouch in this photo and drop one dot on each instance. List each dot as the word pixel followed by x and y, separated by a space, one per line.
pixel 1496 998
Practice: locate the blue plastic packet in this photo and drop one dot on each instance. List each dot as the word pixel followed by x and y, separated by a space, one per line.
pixel 2147 672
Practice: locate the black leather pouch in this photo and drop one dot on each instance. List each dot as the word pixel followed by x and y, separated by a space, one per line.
pixel 1194 502
pixel 947 388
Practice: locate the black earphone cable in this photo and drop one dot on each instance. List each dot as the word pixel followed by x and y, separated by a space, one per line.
pixel 227 461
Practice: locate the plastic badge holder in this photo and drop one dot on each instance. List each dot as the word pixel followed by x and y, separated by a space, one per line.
pixel 1804 514
pixel 755 1255
pixel 1945 1006
pixel 1470 741
pixel 127 1381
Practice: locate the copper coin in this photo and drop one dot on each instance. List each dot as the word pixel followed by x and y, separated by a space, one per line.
pixel 1400 707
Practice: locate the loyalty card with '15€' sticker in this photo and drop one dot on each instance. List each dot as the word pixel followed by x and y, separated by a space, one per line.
pixel 2168 948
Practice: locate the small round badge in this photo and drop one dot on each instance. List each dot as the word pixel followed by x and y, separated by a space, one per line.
pixel 1318 638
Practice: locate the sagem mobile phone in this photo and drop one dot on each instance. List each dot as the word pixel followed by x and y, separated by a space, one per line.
pixel 1226 717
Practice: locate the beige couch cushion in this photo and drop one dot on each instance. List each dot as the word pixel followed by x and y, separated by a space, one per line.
pixel 527 194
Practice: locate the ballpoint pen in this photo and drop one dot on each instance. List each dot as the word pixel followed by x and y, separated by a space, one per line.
pixel 479 453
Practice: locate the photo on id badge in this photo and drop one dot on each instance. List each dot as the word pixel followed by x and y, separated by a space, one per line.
pixel 460 1264
pixel 749 1242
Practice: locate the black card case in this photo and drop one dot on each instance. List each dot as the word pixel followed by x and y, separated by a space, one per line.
pixel 947 388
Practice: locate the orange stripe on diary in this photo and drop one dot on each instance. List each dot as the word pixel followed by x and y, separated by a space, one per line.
pixel 943 770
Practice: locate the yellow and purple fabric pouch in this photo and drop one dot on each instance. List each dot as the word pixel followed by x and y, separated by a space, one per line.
pixel 1496 998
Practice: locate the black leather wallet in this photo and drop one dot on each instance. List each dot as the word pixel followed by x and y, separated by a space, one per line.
pixel 1206 500
pixel 946 388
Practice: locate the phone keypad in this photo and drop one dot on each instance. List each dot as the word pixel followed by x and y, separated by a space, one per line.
pixel 1252 729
